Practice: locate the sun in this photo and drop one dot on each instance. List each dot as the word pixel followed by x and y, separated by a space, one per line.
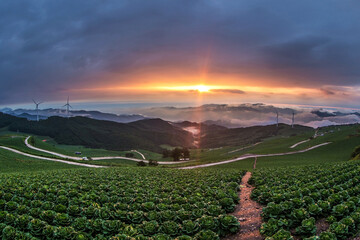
pixel 202 88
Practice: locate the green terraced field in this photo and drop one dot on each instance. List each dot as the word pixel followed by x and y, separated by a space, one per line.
pixel 343 141
pixel 12 162
pixel 297 197
pixel 119 204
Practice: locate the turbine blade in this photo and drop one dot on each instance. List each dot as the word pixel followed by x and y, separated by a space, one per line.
pixel 34 101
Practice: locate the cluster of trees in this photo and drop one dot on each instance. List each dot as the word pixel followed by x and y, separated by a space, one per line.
pixel 177 154
pixel 146 134
pixel 129 155
pixel 356 152
pixel 32 141
pixel 152 163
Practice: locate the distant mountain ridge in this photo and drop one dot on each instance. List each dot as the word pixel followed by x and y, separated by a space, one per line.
pixel 213 136
pixel 146 134
pixel 248 135
pixel 248 114
pixel 30 114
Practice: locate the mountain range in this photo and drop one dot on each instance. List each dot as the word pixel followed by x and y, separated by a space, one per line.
pixel 31 114
pixel 148 134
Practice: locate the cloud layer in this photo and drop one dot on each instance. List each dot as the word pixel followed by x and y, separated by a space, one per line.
pixel 50 48
pixel 245 115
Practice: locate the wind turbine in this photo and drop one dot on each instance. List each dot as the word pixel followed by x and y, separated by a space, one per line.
pixel 293 119
pixel 67 105
pixel 277 118
pixel 37 109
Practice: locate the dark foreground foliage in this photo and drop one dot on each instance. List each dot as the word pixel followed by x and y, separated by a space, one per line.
pixel 127 203
pixel 297 197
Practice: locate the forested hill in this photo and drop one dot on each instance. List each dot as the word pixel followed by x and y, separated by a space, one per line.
pixel 248 135
pixel 144 134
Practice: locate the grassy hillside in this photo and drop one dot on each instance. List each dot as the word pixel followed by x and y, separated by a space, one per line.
pixel 343 142
pixel 250 135
pixel 342 138
pixel 119 204
pixel 297 198
pixel 144 134
pixel 12 162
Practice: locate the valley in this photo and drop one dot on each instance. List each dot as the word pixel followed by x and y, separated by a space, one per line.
pixel 179 120
pixel 37 156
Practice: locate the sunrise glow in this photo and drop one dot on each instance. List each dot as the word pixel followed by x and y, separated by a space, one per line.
pixel 202 88
pixel 199 88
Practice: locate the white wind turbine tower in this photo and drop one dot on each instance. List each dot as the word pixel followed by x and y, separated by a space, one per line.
pixel 37 109
pixel 67 105
pixel 277 118
pixel 293 120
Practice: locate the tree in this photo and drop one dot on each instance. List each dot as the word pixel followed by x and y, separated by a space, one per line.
pixel 141 164
pixel 153 163
pixel 32 141
pixel 186 153
pixel 129 155
pixel 176 154
pixel 166 153
pixel 356 152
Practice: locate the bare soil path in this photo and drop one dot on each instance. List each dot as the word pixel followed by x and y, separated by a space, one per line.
pixel 297 144
pixel 248 212
pixel 94 158
pixel 51 159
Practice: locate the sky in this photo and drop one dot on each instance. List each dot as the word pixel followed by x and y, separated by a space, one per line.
pixel 188 52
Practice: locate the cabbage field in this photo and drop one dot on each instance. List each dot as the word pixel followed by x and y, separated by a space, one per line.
pixel 119 203
pixel 296 198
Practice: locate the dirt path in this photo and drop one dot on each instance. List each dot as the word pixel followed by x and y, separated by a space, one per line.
pixel 142 155
pixel 297 144
pixel 254 167
pixel 248 212
pixel 94 158
pixel 246 147
pixel 51 159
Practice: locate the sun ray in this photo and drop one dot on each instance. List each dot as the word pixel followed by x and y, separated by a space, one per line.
pixel 202 88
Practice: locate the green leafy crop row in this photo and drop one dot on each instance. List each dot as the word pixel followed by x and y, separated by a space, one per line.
pixel 124 203
pixel 296 198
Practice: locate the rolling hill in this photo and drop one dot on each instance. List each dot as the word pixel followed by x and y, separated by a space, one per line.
pixel 218 137
pixel 144 134
pixel 30 114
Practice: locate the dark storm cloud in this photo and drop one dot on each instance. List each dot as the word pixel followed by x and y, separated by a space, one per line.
pixel 327 91
pixel 234 91
pixel 48 47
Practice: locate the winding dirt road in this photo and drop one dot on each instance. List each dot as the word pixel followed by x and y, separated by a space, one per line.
pixel 297 144
pixel 49 152
pixel 93 158
pixel 142 155
pixel 51 159
pixel 253 156
pixel 139 160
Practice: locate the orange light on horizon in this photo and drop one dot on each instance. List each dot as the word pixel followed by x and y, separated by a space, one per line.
pixel 208 89
pixel 202 88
